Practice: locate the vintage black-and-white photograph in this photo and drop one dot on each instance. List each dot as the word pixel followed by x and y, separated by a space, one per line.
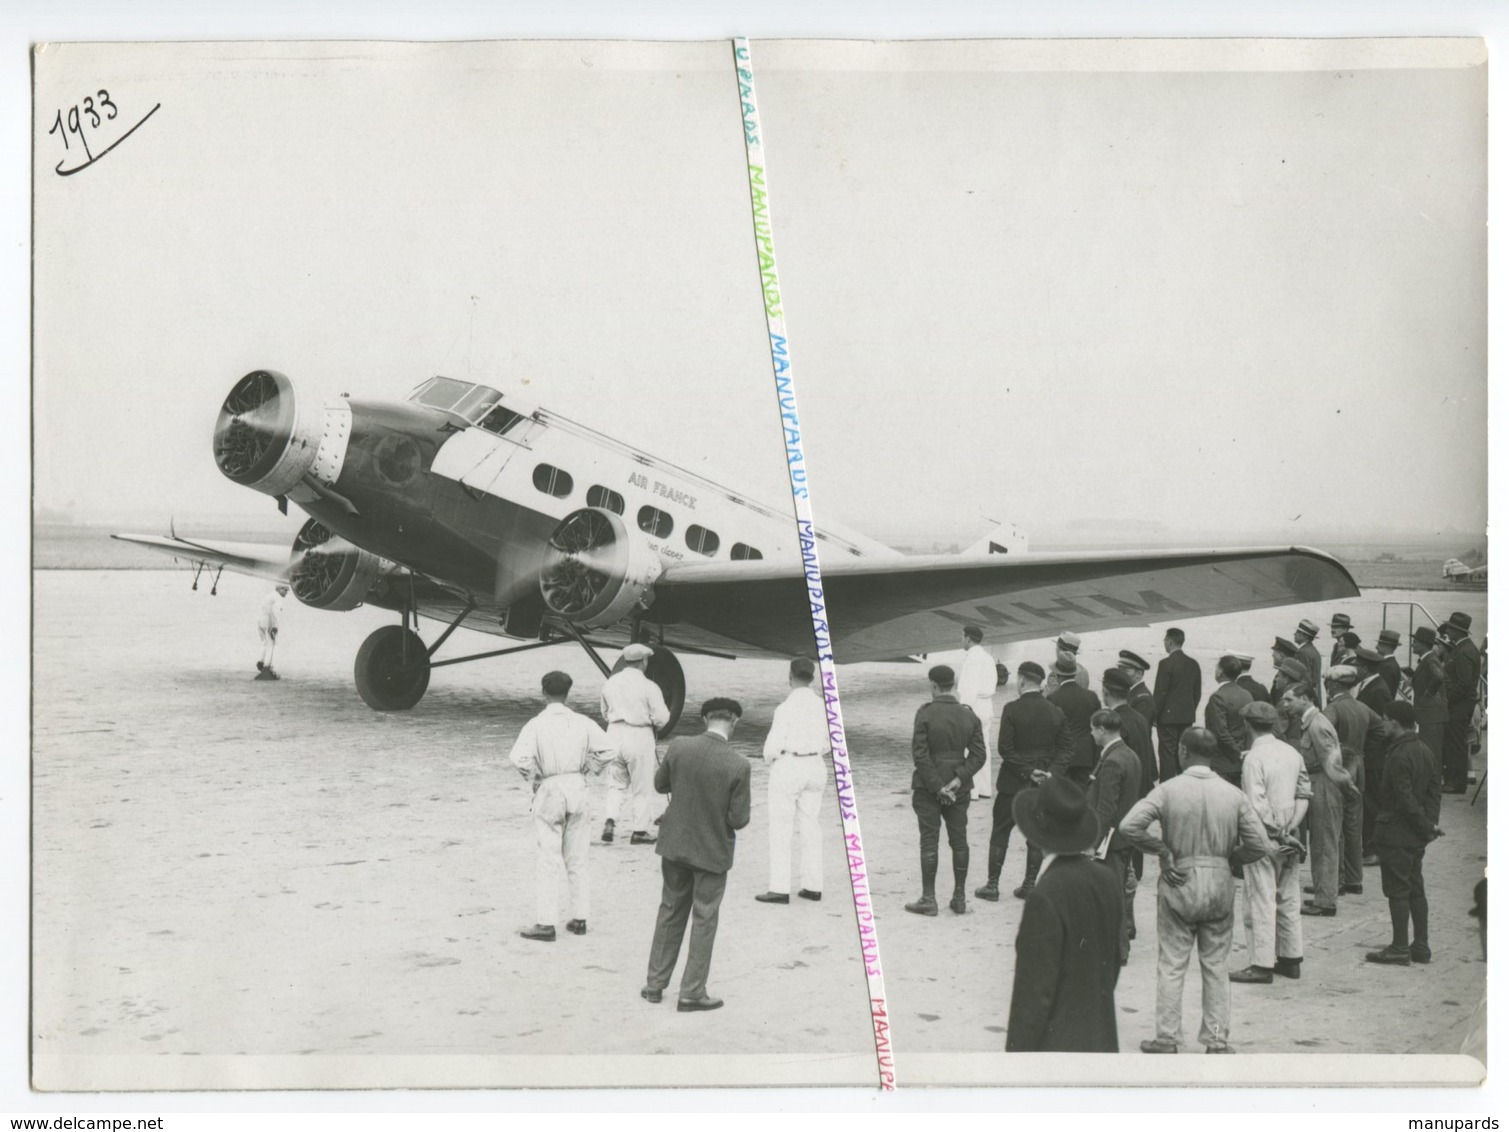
pixel 1190 359
pixel 412 704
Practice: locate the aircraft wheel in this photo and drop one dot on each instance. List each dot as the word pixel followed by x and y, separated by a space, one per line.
pixel 665 670
pixel 382 679
pixel 1003 675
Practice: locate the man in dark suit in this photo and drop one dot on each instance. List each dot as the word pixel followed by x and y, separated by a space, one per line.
pixel 1359 729
pixel 948 749
pixel 1078 704
pixel 1428 686
pixel 1341 625
pixel 1409 819
pixel 1389 670
pixel 1063 994
pixel 1138 735
pixel 1034 744
pixel 709 788
pixel 1309 655
pixel 1176 695
pixel 1115 788
pixel 1140 697
pixel 1464 665
pixel 1258 693
pixel 1223 719
pixel 1282 650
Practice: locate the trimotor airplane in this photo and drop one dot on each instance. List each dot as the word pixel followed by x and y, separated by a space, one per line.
pixel 474 510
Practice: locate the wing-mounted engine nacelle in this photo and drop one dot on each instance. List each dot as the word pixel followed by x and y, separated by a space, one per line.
pixel 596 569
pixel 328 572
pixel 269 439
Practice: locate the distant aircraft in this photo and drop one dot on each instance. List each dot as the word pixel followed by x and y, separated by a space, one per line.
pixel 1455 570
pixel 463 507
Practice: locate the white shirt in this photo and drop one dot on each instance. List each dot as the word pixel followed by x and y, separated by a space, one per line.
pixel 799 727
pixel 629 696
pixel 977 678
pixel 1274 779
pixel 272 606
pixel 560 741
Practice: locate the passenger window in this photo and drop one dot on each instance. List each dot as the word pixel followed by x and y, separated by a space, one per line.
pixel 702 540
pixel 600 496
pixel 654 522
pixel 552 481
pixel 742 551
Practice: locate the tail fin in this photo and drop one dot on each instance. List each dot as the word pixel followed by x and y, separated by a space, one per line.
pixel 1002 538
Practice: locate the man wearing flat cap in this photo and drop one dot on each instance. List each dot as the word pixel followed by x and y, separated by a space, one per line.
pixel 1428 688
pixel 1246 679
pixel 634 708
pixel 1207 826
pixel 948 748
pixel 1359 729
pixel 1063 994
pixel 1464 665
pixel 1078 704
pixel 1275 782
pixel 1034 745
pixel 1341 625
pixel 1308 654
pixel 1176 696
pixel 1139 696
pixel 1409 819
pixel 1388 669
pixel 1223 719
pixel 1066 664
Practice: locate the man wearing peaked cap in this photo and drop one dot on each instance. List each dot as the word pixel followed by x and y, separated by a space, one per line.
pixel 1246 680
pixel 1140 697
pixel 1464 667
pixel 1067 963
pixel 1304 638
pixel 1066 664
pixel 1428 687
pixel 1389 670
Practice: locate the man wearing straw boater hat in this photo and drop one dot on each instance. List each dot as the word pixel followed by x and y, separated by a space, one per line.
pixel 1463 665
pixel 1207 826
pixel 1063 994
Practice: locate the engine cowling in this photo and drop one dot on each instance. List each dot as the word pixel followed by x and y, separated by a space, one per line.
pixel 596 569
pixel 328 572
pixel 269 439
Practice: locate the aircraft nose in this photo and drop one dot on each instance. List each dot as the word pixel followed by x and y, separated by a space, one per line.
pixel 264 438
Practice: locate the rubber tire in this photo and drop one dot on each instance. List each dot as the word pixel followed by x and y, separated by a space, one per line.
pixel 665 670
pixel 378 680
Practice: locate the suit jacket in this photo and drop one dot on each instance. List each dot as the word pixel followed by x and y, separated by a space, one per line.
pixel 1115 789
pixel 1078 705
pixel 1034 736
pixel 1063 994
pixel 1141 700
pixel 1359 729
pixel 1429 687
pixel 1254 689
pixel 1409 799
pixel 1309 656
pixel 1463 664
pixel 1223 718
pixel 709 787
pixel 1392 675
pixel 947 740
pixel 1176 692
pixel 1376 695
pixel 1136 734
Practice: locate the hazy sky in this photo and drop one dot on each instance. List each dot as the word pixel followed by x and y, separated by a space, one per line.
pixel 1023 284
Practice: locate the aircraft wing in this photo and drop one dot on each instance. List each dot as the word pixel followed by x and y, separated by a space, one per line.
pixel 890 608
pixel 259 559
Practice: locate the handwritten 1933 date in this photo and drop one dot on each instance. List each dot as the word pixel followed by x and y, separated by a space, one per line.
pixel 91 114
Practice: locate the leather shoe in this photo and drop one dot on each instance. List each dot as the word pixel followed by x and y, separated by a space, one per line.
pixel 1288 968
pixel 1390 955
pixel 957 905
pixel 650 994
pixel 1021 892
pixel 1251 975
pixel 640 837
pixel 1419 952
pixel 774 898
pixel 1310 908
pixel 543 932
pixel 1453 789
pixel 1351 890
pixel 1370 858
pixel 1160 1045
pixel 687 1005
pixel 608 830
pixel 1219 1049
pixel 989 892
pixel 576 927
pixel 927 906
pixel 810 894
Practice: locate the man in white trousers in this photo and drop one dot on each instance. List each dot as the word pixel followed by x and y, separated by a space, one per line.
pixel 794 752
pixel 268 615
pixel 977 689
pixel 635 709
pixel 556 750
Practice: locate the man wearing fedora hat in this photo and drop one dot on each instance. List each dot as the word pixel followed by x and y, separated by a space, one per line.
pixel 1427 683
pixel 1308 654
pixel 634 708
pixel 1207 826
pixel 948 749
pixel 1341 625
pixel 1463 667
pixel 1138 695
pixel 1388 668
pixel 1063 994
pixel 1066 664
pixel 1330 785
pixel 1078 704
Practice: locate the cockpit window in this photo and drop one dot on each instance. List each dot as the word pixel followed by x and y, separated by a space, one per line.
pixel 440 393
pixel 476 404
pixel 500 419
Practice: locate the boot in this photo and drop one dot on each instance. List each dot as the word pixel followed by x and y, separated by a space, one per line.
pixel 1288 968
pixel 608 830
pixel 990 890
pixel 925 905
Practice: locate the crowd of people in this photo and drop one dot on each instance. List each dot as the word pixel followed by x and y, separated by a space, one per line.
pixel 1337 765
pixel 708 783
